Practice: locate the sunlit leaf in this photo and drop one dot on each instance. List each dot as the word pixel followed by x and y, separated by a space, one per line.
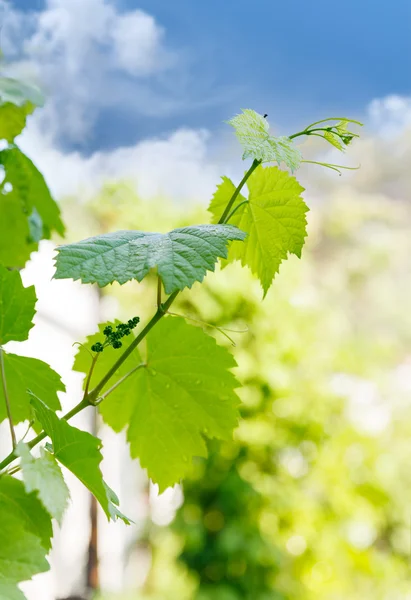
pixel 80 452
pixel 182 256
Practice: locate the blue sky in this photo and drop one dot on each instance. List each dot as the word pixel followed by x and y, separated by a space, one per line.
pixel 296 56
pixel 297 60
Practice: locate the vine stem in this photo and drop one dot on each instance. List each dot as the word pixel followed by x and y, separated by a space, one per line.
pixel 333 119
pixel 120 381
pixel 7 400
pixel 93 364
pixel 307 132
pixel 92 397
pixel 331 166
pixel 254 165
pixel 222 330
pixel 312 132
pixel 161 311
pixel 158 291
pixel 235 209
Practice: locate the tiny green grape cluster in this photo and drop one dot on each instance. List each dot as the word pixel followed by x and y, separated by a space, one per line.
pixel 113 336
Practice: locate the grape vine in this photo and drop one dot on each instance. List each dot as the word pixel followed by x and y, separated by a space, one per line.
pixel 181 389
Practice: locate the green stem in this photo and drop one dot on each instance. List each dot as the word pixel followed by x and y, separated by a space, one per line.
pixel 71 413
pixel 93 395
pixel 308 131
pixel 220 329
pixel 235 210
pixel 120 381
pixel 91 398
pixel 330 166
pixel 334 119
pixel 255 164
pixel 313 132
pixel 93 364
pixel 14 470
pixel 39 438
pixel 158 291
pixel 7 400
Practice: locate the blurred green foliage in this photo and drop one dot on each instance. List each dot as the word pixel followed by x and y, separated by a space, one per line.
pixel 312 499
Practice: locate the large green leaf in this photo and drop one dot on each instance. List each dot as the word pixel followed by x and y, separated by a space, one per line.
pixel 16 244
pixel 274 219
pixel 24 373
pixel 25 507
pixel 43 475
pixel 22 547
pixel 10 591
pixel 79 451
pixel 185 392
pixel 13 119
pixel 31 189
pixel 25 534
pixel 182 256
pixel 17 307
pixel 28 212
pixel 253 133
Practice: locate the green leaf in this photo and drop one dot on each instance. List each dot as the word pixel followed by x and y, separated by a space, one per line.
pixel 43 475
pixel 25 534
pixel 26 508
pixel 113 503
pixel 17 92
pixel 342 126
pixel 182 256
pixel 17 307
pixel 9 591
pixel 31 189
pixel 252 131
pixel 27 209
pixel 24 373
pixel 334 140
pixel 273 217
pixel 79 451
pixel 185 392
pixel 35 226
pixel 13 119
pixel 15 242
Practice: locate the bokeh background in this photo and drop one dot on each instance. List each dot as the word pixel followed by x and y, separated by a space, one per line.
pixel 312 499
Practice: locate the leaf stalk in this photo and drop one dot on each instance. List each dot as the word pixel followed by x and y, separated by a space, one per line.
pixel 7 400
pixel 254 165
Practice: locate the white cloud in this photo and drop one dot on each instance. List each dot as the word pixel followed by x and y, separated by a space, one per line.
pixel 138 43
pixel 177 166
pixel 88 56
pixel 391 115
pixel 77 35
pixel 14 25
